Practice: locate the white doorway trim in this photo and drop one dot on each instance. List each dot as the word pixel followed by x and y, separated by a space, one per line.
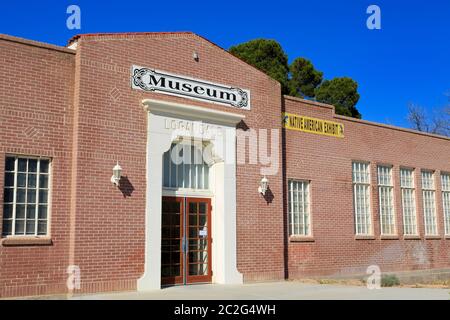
pixel 159 139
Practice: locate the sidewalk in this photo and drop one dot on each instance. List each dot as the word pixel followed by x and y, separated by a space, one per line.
pixel 276 290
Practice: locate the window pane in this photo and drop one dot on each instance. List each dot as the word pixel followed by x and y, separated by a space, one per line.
pixel 32 165
pixel 202 207
pixel 20 211
pixel 7 211
pixel 173 172
pixel 31 195
pixel 21 180
pixel 43 181
pixel 7 227
pixel 20 197
pixel 166 165
pixel 43 195
pixel 9 179
pixel 9 164
pixel 22 165
pixel 206 176
pixel 31 227
pixel 31 181
pixel 445 181
pixel 8 195
pixel 20 227
pixel 42 212
pixel 42 227
pixel 31 211
pixel 44 166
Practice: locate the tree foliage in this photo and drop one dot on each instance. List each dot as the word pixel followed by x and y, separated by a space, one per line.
pixel 267 56
pixel 304 78
pixel 299 79
pixel 342 93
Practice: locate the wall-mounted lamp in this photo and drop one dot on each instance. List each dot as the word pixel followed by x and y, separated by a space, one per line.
pixel 263 185
pixel 195 55
pixel 117 173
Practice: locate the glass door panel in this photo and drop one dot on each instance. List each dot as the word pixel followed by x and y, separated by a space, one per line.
pixel 172 265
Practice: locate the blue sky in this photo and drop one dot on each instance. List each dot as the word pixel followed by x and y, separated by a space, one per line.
pixel 408 60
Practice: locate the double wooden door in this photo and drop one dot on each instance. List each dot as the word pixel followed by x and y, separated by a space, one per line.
pixel 186 240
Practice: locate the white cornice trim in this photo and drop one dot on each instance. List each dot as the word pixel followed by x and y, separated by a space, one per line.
pixel 193 112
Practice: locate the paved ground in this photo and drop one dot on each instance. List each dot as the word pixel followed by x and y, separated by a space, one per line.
pixel 276 290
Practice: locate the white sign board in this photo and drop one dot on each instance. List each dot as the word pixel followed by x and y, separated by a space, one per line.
pixel 163 82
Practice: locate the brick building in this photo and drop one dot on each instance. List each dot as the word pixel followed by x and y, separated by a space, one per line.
pixel 197 133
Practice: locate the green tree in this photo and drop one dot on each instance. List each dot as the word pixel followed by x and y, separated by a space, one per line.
pixel 342 93
pixel 267 56
pixel 299 79
pixel 304 78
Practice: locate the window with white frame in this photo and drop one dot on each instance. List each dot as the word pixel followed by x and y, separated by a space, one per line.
pixel 361 198
pixel 185 168
pixel 429 203
pixel 408 201
pixel 299 208
pixel 25 198
pixel 445 182
pixel 386 200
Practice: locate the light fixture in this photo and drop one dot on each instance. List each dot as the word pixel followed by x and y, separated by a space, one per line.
pixel 117 173
pixel 195 55
pixel 263 185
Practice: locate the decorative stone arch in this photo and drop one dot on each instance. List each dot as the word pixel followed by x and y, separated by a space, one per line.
pixel 160 136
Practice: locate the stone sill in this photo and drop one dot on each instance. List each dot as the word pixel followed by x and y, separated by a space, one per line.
pixel 301 239
pixel 433 237
pixel 389 237
pixel 411 237
pixel 26 241
pixel 361 237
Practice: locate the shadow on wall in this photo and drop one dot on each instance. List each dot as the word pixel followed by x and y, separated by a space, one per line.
pixel 242 125
pixel 268 196
pixel 126 187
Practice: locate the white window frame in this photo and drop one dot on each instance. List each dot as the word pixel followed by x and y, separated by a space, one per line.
pixel 299 210
pixel 409 206
pixel 429 203
pixel 386 201
pixel 26 188
pixel 445 186
pixel 362 209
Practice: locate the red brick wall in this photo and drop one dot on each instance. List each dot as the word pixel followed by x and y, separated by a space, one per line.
pixel 36 94
pixel 84 106
pixel 110 227
pixel 326 161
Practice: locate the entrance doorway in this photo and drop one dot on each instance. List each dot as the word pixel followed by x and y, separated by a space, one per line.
pixel 186 240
